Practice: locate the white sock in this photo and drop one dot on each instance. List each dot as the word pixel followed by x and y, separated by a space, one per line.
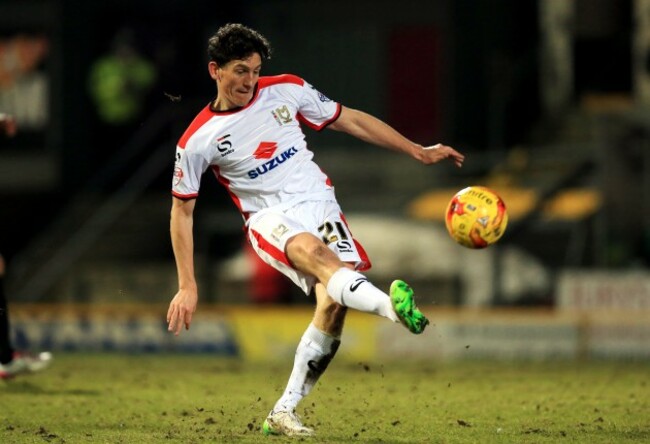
pixel 352 289
pixel 314 353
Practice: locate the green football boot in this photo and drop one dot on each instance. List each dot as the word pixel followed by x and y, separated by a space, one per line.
pixel 401 295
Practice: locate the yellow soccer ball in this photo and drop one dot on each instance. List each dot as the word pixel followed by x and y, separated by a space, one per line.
pixel 476 217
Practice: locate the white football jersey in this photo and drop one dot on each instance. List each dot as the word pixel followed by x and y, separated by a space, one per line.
pixel 258 152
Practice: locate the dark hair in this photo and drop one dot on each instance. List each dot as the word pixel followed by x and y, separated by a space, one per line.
pixel 235 41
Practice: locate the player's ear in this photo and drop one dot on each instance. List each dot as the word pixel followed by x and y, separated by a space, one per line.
pixel 213 69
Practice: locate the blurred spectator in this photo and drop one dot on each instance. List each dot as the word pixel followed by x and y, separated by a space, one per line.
pixel 121 80
pixel 120 85
pixel 20 55
pixel 24 84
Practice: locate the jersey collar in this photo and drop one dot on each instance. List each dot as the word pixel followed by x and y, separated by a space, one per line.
pixel 238 108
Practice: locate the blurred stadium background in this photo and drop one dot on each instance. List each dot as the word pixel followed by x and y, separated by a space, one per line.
pixel 549 100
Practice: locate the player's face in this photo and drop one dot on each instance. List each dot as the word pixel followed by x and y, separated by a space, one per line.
pixel 236 81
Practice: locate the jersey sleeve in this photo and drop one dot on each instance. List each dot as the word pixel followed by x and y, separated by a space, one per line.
pixel 316 110
pixel 189 166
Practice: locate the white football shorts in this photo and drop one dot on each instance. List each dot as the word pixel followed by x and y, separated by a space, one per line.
pixel 270 229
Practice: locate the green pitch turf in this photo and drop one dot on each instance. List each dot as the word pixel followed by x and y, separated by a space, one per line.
pixel 117 398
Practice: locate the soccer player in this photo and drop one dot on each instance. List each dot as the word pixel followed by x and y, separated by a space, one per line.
pixel 13 362
pixel 250 137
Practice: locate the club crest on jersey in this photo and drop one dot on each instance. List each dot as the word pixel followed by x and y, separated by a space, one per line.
pixel 224 146
pixel 282 115
pixel 272 163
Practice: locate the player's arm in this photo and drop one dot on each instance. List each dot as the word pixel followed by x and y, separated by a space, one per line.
pixel 183 305
pixel 372 130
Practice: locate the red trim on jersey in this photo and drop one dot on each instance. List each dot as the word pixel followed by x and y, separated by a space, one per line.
pixel 270 249
pixel 200 119
pixel 282 78
pixel 226 183
pixel 324 124
pixel 328 181
pixel 365 263
pixel 185 196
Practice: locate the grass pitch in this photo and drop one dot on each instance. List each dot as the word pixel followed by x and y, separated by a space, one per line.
pixel 116 398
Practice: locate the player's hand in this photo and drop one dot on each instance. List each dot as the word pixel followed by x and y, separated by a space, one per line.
pixel 438 152
pixel 181 309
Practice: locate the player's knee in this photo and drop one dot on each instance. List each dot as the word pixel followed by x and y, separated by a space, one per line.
pixel 321 254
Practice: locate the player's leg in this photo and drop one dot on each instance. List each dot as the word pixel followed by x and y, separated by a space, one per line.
pixel 305 258
pixel 290 247
pixel 346 286
pixel 315 351
pixel 351 288
pixel 6 350
pixel 12 362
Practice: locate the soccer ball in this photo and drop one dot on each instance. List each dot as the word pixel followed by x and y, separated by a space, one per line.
pixel 476 217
